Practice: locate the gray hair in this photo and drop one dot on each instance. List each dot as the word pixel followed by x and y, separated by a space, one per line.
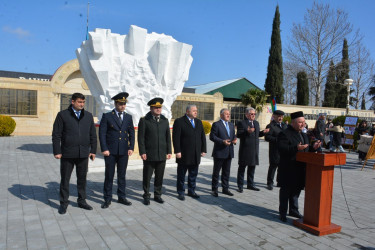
pixel 188 107
pixel 249 109
pixel 222 110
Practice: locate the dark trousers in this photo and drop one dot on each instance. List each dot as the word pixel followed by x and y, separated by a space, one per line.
pixel 241 174
pixel 362 155
pixel 192 176
pixel 271 174
pixel 224 165
pixel 110 165
pixel 148 169
pixel 288 195
pixel 66 169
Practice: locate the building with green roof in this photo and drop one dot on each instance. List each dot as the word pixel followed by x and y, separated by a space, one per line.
pixel 230 89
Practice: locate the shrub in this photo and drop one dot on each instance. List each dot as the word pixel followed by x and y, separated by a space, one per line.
pixel 206 127
pixel 7 125
pixel 287 118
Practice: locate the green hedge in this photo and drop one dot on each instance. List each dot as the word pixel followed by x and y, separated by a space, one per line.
pixel 7 125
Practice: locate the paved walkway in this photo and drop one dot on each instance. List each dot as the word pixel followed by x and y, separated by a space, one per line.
pixel 29 180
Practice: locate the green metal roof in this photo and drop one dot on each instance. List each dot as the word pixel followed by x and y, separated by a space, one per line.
pixel 231 89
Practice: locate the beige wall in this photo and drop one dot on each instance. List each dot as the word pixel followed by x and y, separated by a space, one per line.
pixel 40 124
pixel 68 80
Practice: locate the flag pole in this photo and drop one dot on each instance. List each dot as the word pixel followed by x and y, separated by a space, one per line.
pixel 87 22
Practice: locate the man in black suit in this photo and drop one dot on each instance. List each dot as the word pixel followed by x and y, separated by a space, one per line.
pixel 155 147
pixel 249 132
pixel 189 142
pixel 223 136
pixel 74 141
pixel 276 126
pixel 291 172
pixel 116 135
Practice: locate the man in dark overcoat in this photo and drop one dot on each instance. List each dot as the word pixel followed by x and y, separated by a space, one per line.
pixel 74 141
pixel 116 135
pixel 189 142
pixel 320 129
pixel 292 173
pixel 248 131
pixel 223 136
pixel 276 126
pixel 155 147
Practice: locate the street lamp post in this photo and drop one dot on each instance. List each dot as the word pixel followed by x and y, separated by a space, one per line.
pixel 348 82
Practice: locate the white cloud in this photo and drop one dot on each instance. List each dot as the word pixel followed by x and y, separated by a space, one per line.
pixel 19 32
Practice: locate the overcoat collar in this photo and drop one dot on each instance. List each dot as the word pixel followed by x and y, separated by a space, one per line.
pixel 149 116
pixel 187 120
pixel 70 108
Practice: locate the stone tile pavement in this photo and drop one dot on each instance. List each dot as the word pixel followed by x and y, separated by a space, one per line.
pixel 29 185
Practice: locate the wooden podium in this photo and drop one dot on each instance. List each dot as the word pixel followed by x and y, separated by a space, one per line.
pixel 318 192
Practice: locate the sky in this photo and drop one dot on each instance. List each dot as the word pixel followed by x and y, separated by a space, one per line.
pixel 230 38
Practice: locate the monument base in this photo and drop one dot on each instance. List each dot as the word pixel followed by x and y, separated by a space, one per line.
pixel 319 231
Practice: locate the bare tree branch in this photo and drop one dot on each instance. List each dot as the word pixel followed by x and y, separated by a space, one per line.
pixel 317 41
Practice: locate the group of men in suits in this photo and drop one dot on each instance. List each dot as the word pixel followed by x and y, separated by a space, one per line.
pixel 284 143
pixel 74 141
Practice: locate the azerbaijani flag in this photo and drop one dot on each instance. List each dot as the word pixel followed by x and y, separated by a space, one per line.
pixel 273 105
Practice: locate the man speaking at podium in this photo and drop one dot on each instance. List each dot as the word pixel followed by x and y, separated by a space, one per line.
pixel 291 172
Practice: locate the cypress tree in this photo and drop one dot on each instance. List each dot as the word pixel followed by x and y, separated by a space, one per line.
pixel 274 80
pixel 363 105
pixel 330 90
pixel 302 89
pixel 342 73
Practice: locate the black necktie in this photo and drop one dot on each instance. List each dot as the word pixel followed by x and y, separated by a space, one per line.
pixel 119 116
pixel 251 124
pixel 157 118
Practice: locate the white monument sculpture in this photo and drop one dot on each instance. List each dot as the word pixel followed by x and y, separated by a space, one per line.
pixel 144 65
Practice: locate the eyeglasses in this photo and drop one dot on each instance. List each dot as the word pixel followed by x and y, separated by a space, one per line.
pixel 252 114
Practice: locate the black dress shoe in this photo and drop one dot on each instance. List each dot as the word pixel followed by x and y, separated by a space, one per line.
pixel 214 194
pixel 253 188
pixel 146 201
pixel 124 201
pixel 295 214
pixel 181 197
pixel 62 209
pixel 194 195
pixel 159 200
pixel 84 205
pixel 240 190
pixel 283 218
pixel 106 204
pixel 227 192
pixel 269 187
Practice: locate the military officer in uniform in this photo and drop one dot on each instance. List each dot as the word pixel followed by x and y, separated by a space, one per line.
pixel 275 127
pixel 154 142
pixel 116 135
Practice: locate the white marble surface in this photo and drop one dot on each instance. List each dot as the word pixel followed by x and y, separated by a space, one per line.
pixel 142 64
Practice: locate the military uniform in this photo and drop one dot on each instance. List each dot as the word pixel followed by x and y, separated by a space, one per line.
pixel 116 134
pixel 154 140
